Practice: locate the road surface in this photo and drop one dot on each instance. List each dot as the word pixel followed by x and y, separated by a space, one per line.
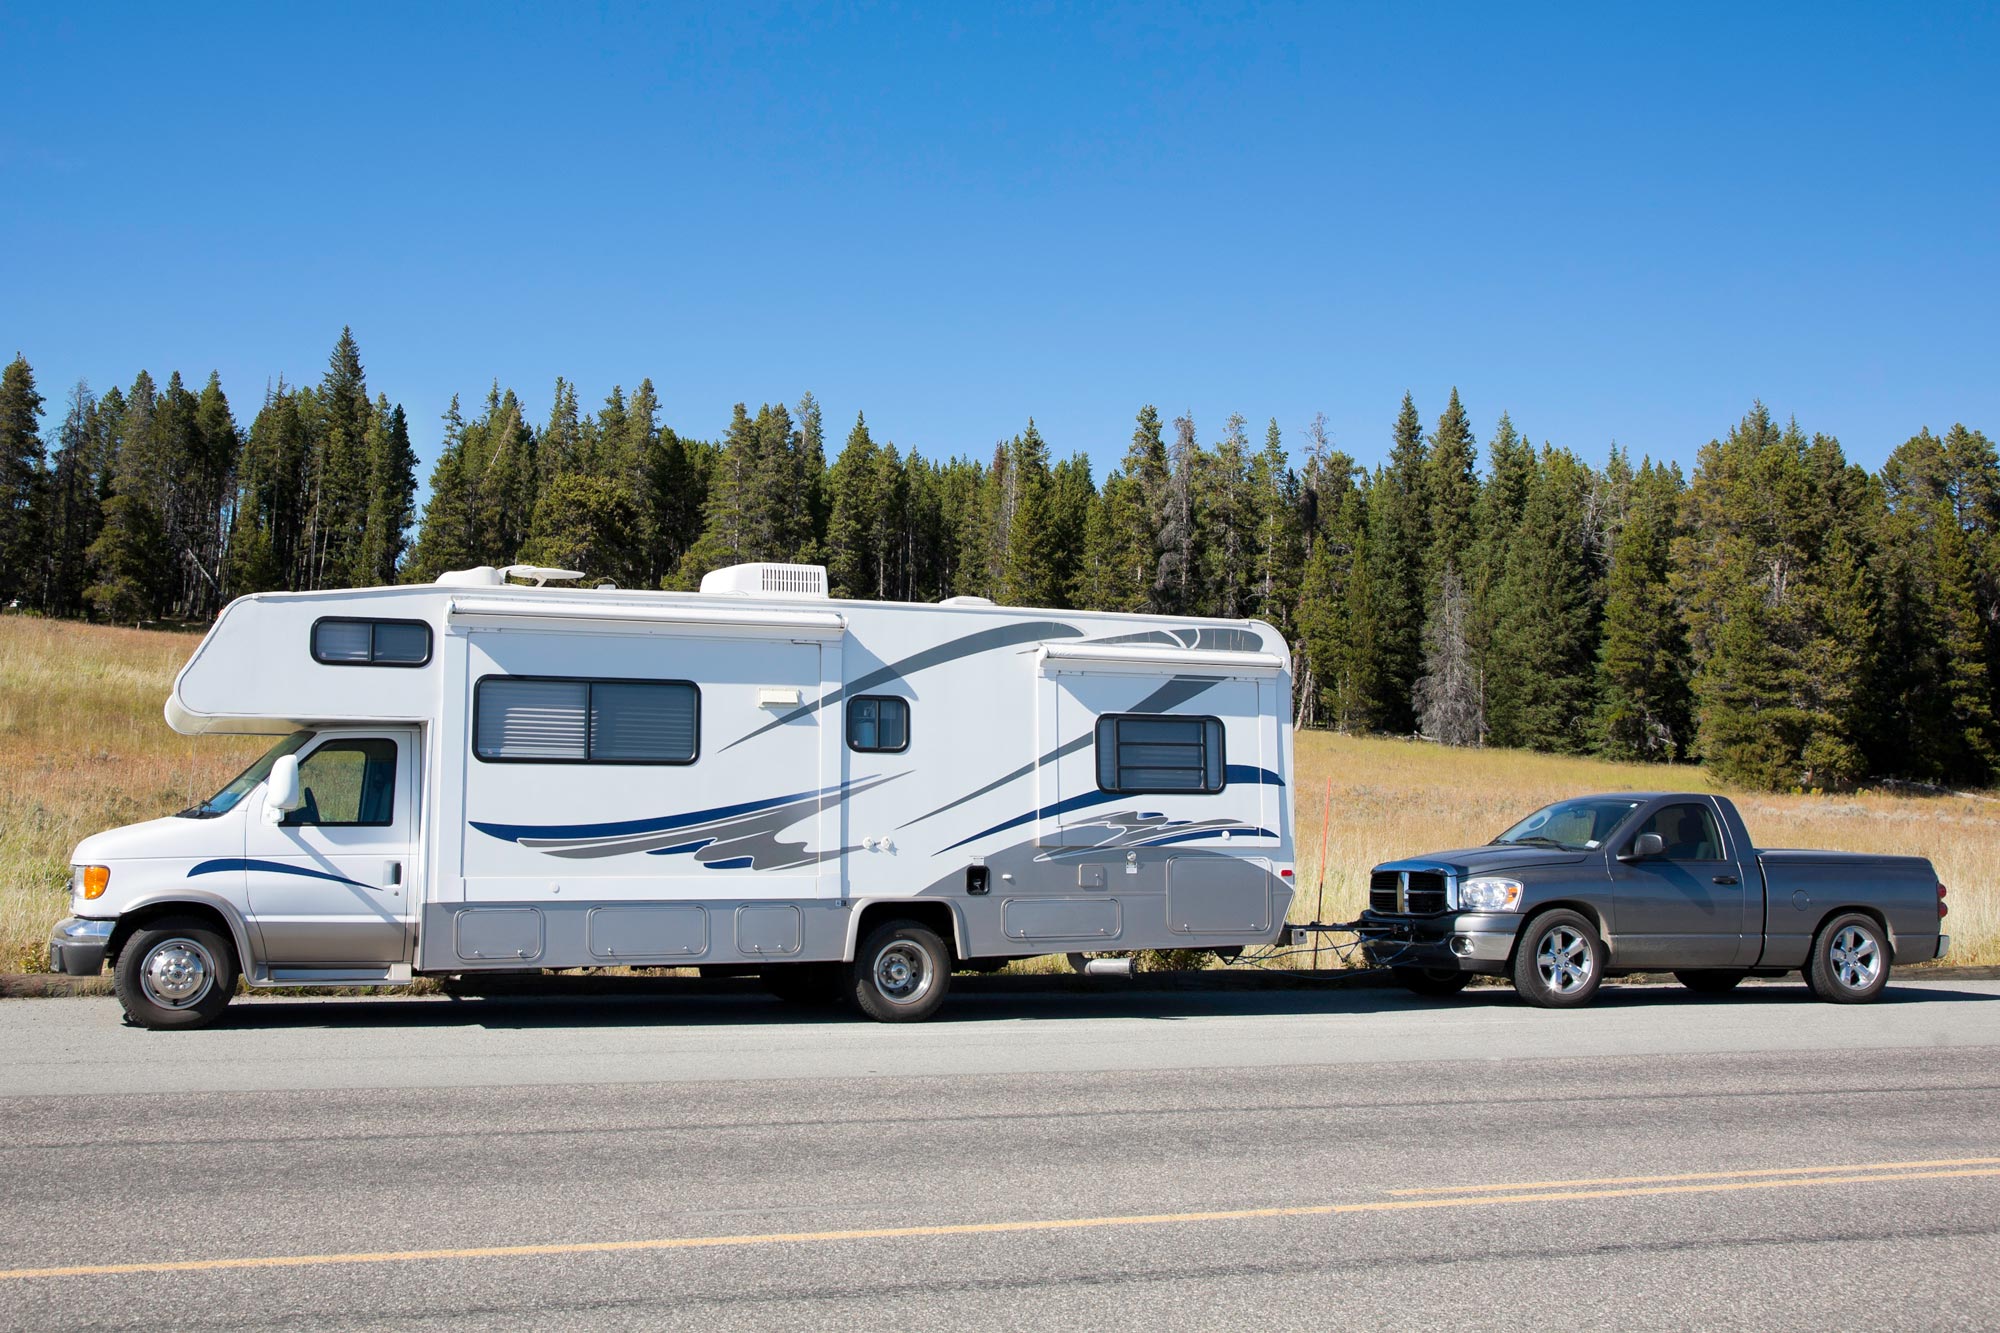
pixel 1124 1160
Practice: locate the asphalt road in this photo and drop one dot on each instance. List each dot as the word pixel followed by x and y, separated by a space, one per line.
pixel 1126 1160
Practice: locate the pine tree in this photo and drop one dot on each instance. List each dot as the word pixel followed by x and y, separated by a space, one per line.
pixel 1031 571
pixel 392 494
pixel 1175 583
pixel 1226 517
pixel 1450 695
pixel 853 556
pixel 1280 552
pixel 1539 689
pixel 1137 518
pixel 584 523
pixel 75 511
pixel 22 461
pixel 1072 495
pixel 1397 555
pixel 1642 667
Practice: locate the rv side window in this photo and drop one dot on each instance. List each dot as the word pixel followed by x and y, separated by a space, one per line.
pixel 340 641
pixel 878 723
pixel 1141 753
pixel 348 783
pixel 528 719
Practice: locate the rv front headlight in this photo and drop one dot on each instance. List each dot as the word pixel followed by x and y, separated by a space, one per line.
pixel 1488 893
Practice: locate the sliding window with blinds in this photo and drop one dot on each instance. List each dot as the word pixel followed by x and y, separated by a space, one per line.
pixel 524 719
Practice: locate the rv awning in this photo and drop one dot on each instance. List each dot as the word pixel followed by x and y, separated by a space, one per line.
pixel 1125 657
pixel 524 610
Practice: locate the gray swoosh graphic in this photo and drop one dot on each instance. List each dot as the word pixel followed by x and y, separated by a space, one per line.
pixel 752 835
pixel 1176 691
pixel 1000 636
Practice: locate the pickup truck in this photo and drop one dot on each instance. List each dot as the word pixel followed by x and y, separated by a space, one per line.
pixel 1603 886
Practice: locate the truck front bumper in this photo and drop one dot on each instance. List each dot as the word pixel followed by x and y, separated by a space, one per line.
pixel 77 947
pixel 1462 941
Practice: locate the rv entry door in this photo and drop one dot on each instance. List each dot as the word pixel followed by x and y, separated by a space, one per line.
pixel 329 886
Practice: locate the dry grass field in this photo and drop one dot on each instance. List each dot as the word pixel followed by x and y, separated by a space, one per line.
pixel 83 747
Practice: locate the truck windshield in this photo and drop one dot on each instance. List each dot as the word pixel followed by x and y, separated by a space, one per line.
pixel 1574 826
pixel 239 786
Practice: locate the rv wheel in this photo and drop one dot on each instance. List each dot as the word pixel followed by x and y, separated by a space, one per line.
pixel 900 973
pixel 176 972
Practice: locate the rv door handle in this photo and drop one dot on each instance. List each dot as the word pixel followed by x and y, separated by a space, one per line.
pixel 395 872
pixel 1725 879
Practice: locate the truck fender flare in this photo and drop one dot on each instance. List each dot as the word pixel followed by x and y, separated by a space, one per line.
pixel 859 908
pixel 239 931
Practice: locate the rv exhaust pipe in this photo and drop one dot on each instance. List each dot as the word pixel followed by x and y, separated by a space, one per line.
pixel 1100 967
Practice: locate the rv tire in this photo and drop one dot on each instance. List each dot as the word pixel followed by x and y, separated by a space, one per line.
pixel 175 972
pixel 900 973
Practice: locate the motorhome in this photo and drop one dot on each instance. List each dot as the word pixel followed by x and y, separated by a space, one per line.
pixel 850 797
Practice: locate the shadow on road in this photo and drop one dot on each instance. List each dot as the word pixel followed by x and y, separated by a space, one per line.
pixel 975 1001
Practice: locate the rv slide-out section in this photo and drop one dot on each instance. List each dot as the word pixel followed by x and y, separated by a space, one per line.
pixel 852 797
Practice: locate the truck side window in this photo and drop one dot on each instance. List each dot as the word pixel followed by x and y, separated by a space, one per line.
pixel 351 783
pixel 1688 830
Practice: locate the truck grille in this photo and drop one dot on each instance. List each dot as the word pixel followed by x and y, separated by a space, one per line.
pixel 1423 894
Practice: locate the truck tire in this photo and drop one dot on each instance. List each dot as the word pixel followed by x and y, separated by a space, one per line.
pixel 802 983
pixel 1435 982
pixel 1711 981
pixel 1850 960
pixel 175 972
pixel 1559 962
pixel 900 974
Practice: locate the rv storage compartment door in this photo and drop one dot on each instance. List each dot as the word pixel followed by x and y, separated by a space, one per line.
pixel 636 765
pixel 1218 895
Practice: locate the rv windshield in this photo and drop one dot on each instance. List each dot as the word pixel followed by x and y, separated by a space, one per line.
pixel 1574 826
pixel 239 786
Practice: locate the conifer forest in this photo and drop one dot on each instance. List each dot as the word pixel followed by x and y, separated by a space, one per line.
pixel 1779 614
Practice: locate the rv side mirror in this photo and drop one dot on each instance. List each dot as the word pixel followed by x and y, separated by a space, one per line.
pixel 1645 845
pixel 281 789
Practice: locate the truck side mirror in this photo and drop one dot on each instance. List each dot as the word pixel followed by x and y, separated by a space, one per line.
pixel 281 790
pixel 1645 845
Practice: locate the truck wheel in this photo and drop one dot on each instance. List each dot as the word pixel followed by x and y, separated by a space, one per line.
pixel 1711 981
pixel 1559 961
pixel 176 972
pixel 1436 982
pixel 900 974
pixel 802 983
pixel 1850 960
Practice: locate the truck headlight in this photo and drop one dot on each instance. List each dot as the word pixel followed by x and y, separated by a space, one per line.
pixel 1486 893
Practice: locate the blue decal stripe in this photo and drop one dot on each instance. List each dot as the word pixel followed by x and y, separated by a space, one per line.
pixel 1233 773
pixel 515 832
pixel 222 864
pixel 1208 833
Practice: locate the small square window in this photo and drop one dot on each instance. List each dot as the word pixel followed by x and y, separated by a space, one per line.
pixel 878 723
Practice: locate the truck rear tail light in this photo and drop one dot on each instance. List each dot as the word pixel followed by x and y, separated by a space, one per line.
pixel 1943 911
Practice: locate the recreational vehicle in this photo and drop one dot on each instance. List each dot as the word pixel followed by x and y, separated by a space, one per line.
pixel 849 797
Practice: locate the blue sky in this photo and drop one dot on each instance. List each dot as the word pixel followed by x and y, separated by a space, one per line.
pixel 1616 224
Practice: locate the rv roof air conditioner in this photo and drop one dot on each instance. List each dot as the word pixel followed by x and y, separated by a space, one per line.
pixel 768 580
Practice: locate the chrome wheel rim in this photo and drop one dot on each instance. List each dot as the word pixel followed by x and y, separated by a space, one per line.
pixel 1856 956
pixel 1564 960
pixel 177 973
pixel 903 972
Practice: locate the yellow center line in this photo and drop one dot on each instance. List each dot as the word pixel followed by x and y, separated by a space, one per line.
pixel 1700 1175
pixel 952 1229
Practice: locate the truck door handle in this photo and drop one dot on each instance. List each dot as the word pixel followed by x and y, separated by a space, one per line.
pixel 1725 879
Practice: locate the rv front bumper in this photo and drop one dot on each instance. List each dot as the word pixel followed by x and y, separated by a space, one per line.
pixel 1469 942
pixel 77 947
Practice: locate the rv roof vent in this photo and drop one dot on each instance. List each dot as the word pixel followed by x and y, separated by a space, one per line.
pixel 966 601
pixel 768 580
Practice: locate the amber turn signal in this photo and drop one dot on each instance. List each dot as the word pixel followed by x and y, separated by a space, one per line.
pixel 96 879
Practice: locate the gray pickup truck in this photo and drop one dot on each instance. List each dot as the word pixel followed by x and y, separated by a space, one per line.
pixel 1629 882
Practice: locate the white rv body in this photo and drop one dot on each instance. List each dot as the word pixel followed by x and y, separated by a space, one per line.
pixel 776 840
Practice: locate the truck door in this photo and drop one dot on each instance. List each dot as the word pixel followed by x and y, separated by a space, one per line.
pixel 1690 906
pixel 329 886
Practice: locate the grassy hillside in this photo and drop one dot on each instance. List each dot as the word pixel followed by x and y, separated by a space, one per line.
pixel 83 747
